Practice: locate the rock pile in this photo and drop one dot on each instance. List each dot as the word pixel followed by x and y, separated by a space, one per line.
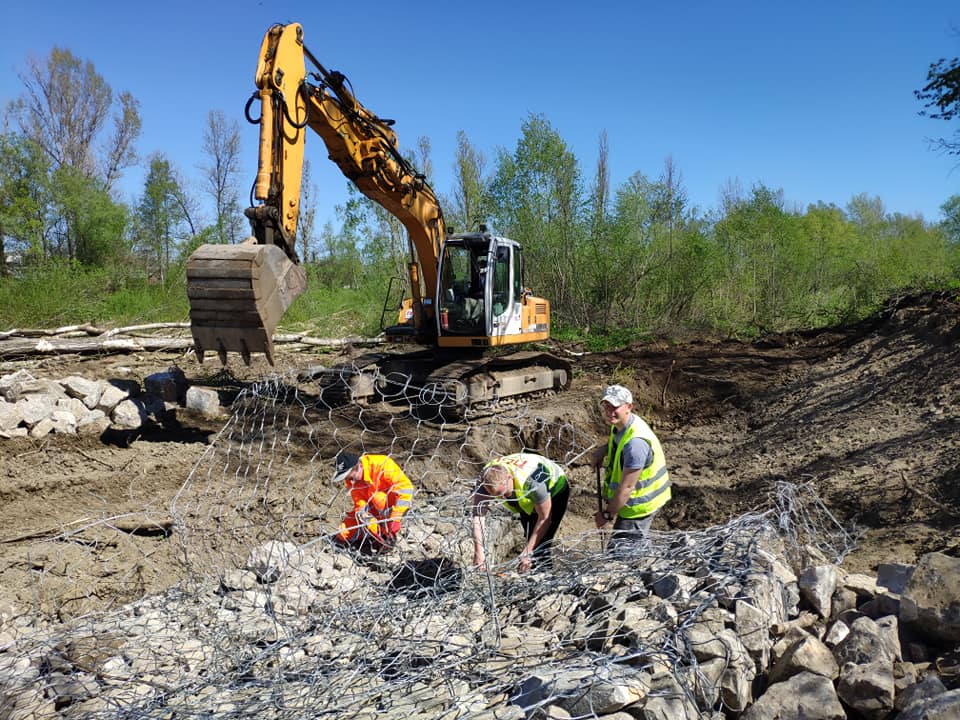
pixel 34 407
pixel 707 625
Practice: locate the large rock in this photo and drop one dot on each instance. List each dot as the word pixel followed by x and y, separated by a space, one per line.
pixel 942 707
pixel 865 643
pixel 894 576
pixel 10 416
pixel 869 688
pixel 930 604
pixel 817 585
pixel 114 393
pixel 86 391
pixel 128 415
pixel 34 408
pixel 807 655
pixel 927 689
pixel 169 385
pixel 666 700
pixel 203 400
pixel 10 385
pixel 805 696
pixel 269 560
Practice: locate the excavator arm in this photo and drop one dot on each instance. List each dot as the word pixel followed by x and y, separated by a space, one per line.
pixel 238 293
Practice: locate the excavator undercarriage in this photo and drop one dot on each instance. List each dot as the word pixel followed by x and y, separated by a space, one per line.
pixel 442 386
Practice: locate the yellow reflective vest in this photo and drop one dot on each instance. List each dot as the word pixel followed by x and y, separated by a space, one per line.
pixel 521 467
pixel 653 486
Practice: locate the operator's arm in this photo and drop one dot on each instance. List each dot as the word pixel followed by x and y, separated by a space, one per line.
pixel 598 455
pixel 391 479
pixel 622 495
pixel 359 500
pixel 402 493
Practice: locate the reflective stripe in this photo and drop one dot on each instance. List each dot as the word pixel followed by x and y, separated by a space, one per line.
pixel 651 484
pixel 652 490
pixel 643 499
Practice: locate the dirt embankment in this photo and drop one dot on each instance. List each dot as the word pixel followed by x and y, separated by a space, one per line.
pixel 868 416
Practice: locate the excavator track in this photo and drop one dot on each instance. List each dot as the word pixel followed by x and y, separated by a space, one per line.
pixel 451 390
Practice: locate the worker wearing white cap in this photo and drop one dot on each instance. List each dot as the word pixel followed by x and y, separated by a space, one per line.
pixel 636 483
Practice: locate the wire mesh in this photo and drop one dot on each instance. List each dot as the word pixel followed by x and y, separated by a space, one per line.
pixel 266 616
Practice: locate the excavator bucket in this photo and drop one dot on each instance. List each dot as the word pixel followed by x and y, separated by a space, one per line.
pixel 238 293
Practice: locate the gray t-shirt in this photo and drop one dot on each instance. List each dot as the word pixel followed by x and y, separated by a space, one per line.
pixel 535 486
pixel 637 454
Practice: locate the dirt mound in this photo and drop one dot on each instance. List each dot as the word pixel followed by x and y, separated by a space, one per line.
pixel 866 415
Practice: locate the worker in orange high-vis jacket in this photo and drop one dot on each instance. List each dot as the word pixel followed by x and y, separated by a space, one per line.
pixel 381 494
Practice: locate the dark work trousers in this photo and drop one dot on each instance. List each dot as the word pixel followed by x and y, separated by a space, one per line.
pixel 367 543
pixel 630 534
pixel 541 551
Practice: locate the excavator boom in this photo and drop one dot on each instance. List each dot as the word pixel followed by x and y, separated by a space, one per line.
pixel 238 294
pixel 466 291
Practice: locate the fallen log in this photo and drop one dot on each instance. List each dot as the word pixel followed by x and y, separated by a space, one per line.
pixel 111 343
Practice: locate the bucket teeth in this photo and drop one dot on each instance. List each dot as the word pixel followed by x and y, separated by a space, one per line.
pixel 238 294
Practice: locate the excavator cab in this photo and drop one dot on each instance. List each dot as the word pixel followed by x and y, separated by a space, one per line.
pixel 463 293
pixel 481 297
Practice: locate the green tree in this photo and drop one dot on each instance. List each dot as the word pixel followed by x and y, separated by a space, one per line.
pixel 951 219
pixel 221 144
pixel 469 192
pixel 24 193
pixel 761 249
pixel 831 242
pixel 158 216
pixel 867 215
pixel 92 225
pixel 341 262
pixel 599 290
pixel 658 248
pixel 951 230
pixel 66 110
pixel 538 200
pixel 627 251
pixel 941 99
pixel 308 214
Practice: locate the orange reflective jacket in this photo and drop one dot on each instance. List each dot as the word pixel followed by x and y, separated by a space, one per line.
pixel 382 474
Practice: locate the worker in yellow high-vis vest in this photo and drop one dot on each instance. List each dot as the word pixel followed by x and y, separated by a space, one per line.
pixel 636 483
pixel 533 487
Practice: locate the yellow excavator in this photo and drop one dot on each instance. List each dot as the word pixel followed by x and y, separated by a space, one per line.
pixel 467 293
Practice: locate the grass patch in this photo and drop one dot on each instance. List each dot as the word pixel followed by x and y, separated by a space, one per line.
pixel 60 294
pixel 600 340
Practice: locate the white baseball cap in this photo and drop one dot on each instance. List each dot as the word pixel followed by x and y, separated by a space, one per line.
pixel 617 395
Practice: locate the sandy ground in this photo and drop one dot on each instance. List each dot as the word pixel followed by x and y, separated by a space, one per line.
pixel 867 416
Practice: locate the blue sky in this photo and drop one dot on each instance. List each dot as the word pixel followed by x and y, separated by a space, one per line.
pixel 814 98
